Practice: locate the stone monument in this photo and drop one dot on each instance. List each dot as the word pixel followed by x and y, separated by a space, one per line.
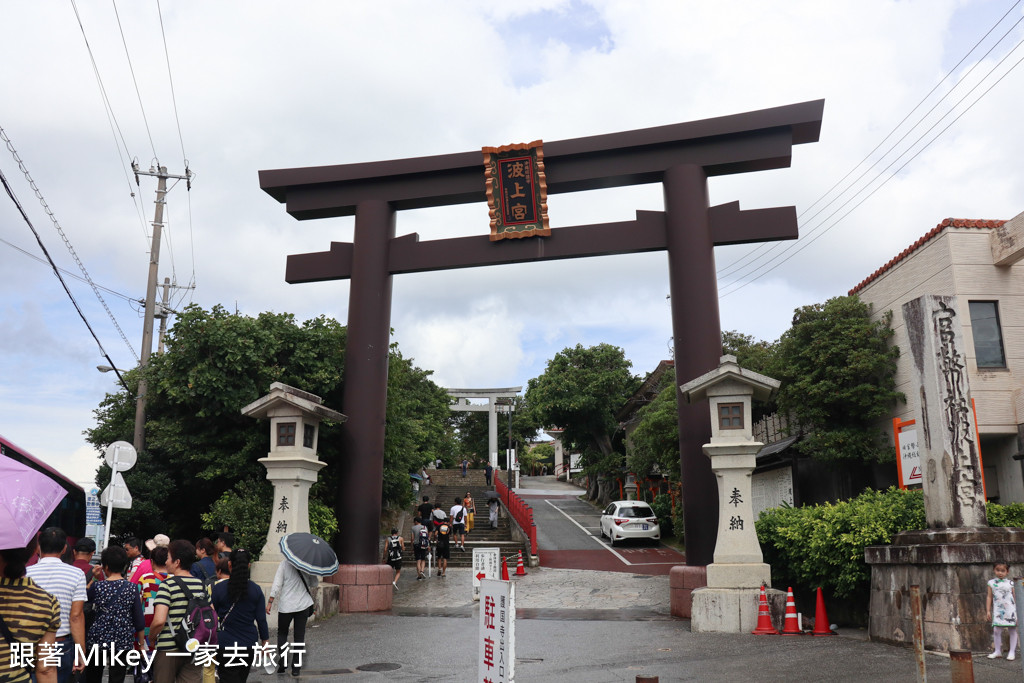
pixel 952 559
pixel 292 465
pixel 729 603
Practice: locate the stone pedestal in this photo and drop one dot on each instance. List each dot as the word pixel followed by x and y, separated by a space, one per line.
pixel 364 587
pixel 682 581
pixel 951 566
pixel 733 610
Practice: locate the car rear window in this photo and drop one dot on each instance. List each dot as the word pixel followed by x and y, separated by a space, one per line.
pixel 636 511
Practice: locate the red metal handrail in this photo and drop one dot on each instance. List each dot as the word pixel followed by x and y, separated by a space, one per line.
pixel 520 511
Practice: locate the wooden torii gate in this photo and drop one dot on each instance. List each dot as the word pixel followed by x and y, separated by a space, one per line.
pixel 680 156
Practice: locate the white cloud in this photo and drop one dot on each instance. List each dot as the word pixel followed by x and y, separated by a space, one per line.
pixel 259 87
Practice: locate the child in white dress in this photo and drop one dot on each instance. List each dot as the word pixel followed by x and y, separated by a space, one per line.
pixel 1001 611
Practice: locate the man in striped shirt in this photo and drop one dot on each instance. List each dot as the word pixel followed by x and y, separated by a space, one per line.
pixel 169 609
pixel 66 583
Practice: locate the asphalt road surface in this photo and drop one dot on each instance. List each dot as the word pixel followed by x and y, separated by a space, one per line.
pixel 569 534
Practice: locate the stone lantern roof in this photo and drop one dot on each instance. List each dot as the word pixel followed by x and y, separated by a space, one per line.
pixel 282 395
pixel 730 373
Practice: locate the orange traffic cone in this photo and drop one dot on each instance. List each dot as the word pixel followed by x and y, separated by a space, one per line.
pixel 791 626
pixel 821 626
pixel 504 570
pixel 764 617
pixel 520 569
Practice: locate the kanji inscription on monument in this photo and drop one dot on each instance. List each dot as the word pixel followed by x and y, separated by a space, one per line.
pixel 953 490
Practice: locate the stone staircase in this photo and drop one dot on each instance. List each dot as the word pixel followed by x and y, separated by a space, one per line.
pixel 445 486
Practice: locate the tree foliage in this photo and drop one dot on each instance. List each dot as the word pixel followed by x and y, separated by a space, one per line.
pixel 838 369
pixel 579 391
pixel 655 441
pixel 200 447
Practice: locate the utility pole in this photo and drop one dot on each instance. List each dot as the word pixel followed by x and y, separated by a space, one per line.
pixel 154 262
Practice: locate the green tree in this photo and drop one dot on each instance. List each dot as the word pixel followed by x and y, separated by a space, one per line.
pixel 198 444
pixel 655 441
pixel 540 455
pixel 750 353
pixel 580 390
pixel 837 367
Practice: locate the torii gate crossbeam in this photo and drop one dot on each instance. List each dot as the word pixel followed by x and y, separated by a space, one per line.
pixel 492 415
pixel 680 156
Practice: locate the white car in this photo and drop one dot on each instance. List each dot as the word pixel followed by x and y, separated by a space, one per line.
pixel 624 519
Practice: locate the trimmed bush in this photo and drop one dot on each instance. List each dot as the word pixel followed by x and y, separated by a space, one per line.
pixel 823 545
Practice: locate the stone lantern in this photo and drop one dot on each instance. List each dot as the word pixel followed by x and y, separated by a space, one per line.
pixel 292 464
pixel 729 603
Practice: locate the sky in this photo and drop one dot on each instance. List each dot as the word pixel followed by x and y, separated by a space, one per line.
pixel 921 123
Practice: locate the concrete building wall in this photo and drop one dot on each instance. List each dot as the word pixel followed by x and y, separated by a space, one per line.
pixel 959 261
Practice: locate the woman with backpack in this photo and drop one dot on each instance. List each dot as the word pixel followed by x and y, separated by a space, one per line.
pixel 242 619
pixel 119 620
pixel 394 546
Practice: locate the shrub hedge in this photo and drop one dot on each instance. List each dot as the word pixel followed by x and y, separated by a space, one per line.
pixel 823 545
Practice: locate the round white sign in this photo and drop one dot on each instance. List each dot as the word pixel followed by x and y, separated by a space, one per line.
pixel 126 455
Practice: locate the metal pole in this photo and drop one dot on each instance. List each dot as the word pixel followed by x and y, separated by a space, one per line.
pixel 110 500
pixel 915 611
pixel 961 666
pixel 1018 598
pixel 147 325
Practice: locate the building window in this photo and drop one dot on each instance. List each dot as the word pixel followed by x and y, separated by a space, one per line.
pixel 730 416
pixel 988 336
pixel 308 434
pixel 286 434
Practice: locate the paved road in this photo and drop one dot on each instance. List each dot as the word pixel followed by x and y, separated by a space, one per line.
pixel 590 627
pixel 569 535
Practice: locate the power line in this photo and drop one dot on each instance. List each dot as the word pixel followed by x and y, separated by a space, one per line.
pixel 902 166
pixel 60 231
pixel 68 272
pixel 115 127
pixel 181 140
pixel 131 68
pixel 56 271
pixel 765 249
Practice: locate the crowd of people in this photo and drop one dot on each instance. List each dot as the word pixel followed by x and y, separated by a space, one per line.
pixel 436 531
pixel 55 606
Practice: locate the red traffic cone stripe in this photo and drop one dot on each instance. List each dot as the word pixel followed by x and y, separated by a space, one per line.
pixel 821 625
pixel 764 617
pixel 520 569
pixel 792 625
pixel 504 570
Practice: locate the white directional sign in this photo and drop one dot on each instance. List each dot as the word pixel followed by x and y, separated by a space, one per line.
pixel 485 566
pixel 497 645
pixel 116 494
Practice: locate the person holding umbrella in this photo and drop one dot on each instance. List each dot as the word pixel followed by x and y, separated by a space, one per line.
pixel 305 558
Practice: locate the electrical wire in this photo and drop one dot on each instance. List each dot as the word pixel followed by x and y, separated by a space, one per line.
pixel 67 242
pixel 70 273
pixel 56 271
pixel 902 166
pixel 115 127
pixel 765 249
pixel 181 140
pixel 131 68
